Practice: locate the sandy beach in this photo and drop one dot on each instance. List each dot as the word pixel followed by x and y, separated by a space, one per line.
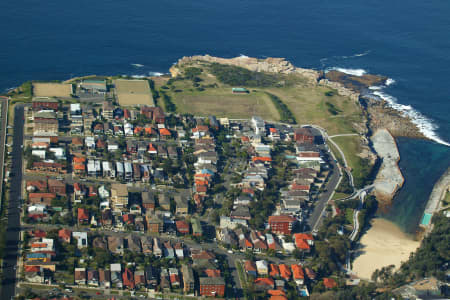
pixel 383 244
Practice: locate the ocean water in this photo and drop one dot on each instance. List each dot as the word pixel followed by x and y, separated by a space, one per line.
pixel 406 40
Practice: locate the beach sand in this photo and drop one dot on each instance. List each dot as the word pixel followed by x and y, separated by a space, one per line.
pixel 382 245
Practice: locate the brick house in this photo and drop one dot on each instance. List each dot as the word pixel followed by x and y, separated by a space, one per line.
pixel 57 186
pixel 212 286
pixel 281 224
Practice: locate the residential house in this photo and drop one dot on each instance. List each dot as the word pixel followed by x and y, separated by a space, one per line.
pixel 104 278
pixel 250 268
pixel 281 224
pixel 119 197
pixel 134 243
pixel 182 204
pixel 116 245
pixel 139 279
pixel 92 278
pixel 64 235
pixel 164 201
pixel 212 286
pixel 128 279
pixel 80 276
pixel 82 216
pixel 57 187
pixel 262 267
pixel 147 245
pixel 182 227
pixel 82 239
pixel 148 200
pixel 196 227
pixel 188 278
pixel 298 274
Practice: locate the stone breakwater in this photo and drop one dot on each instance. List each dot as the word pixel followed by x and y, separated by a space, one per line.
pixel 437 195
pixel 268 65
pixel 389 179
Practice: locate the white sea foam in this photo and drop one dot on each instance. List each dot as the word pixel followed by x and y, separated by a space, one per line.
pixel 243 56
pixel 362 54
pixel 138 76
pixel 155 74
pixel 376 88
pixel 354 72
pixel 426 126
pixel 389 81
pixel 137 65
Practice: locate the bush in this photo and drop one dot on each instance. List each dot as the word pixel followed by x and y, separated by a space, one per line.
pixel 235 76
pixel 285 114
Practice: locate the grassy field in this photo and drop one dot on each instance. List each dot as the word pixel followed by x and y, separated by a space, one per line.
pixel 222 103
pixel 309 104
pixel 133 92
pixel 52 89
pixel 351 146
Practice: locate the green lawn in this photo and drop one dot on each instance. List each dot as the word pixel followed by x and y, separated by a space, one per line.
pixel 351 146
pixel 339 196
pixel 349 215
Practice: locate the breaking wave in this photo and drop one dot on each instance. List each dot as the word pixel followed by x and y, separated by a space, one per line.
pixel 156 74
pixel 137 65
pixel 426 126
pixel 354 72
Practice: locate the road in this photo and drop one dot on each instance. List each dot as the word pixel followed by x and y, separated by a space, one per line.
pixel 3 130
pixel 13 229
pixel 321 203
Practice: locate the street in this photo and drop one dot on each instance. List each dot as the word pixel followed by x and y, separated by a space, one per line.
pixel 13 229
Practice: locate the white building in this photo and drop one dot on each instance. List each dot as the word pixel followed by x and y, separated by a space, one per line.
pixel 82 239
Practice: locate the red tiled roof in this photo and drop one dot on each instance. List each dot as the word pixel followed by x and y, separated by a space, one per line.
pixel 276 293
pixel 128 278
pixel 285 272
pixel 201 188
pixel 77 159
pixel 297 272
pixel 267 281
pixel 281 219
pixel 329 283
pixel 274 270
pixel 261 158
pixel 32 269
pixel 249 266
pixel 304 236
pixel 42 195
pixel 278 298
pixel 302 244
pixel 83 214
pixel 64 233
pixel 164 131
pixel 212 272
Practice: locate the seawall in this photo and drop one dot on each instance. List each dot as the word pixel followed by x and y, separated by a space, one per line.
pixel 434 202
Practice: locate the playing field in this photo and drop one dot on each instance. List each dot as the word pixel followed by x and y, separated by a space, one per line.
pixel 222 103
pixel 133 92
pixel 51 89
